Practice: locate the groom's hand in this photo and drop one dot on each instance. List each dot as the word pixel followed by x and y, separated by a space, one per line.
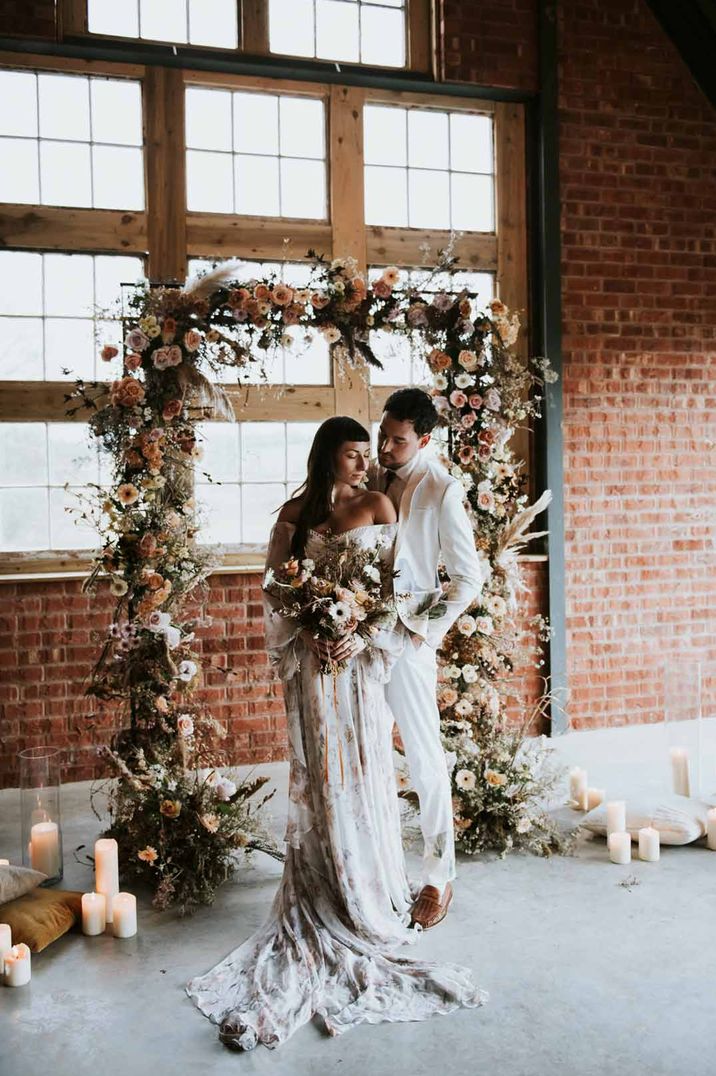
pixel 347 647
pixel 320 647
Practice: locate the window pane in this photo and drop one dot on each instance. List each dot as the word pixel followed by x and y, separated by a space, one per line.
pixel 18 103
pixel 307 362
pixel 471 143
pixel 64 107
pixel 299 438
pixel 210 183
pixel 21 349
pixel 213 22
pixel 109 17
pixel 302 128
pixel 20 282
pixel 385 135
pixel 255 123
pixel 220 507
pixel 23 454
pixel 394 352
pixel 69 344
pixel 220 442
pixel 257 189
pixel 19 180
pixel 163 20
pixel 386 196
pixel 65 174
pixel 259 507
pixel 263 451
pixel 67 529
pixel 303 189
pixel 111 271
pixel 429 194
pixel 382 37
pixel 428 140
pixel 472 202
pixel 72 458
pixel 24 522
pixel 208 119
pixel 116 111
pixel 291 27
pixel 337 36
pixel 118 177
pixel 69 284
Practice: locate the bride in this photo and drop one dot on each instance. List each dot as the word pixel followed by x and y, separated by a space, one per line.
pixel 330 945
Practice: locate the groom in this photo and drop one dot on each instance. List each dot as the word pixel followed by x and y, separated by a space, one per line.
pixel 432 524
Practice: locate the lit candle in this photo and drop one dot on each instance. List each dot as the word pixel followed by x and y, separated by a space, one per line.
pixel 595 796
pixel 124 915
pixel 4 862
pixel 94 913
pixel 578 788
pixel 711 829
pixel 45 848
pixel 18 968
pixel 616 817
pixel 106 867
pixel 619 847
pixel 5 942
pixel 680 771
pixel 649 844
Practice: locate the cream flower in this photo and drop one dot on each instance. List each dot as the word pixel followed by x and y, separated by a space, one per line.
pixel 464 708
pixel 185 725
pixel 331 334
pixel 469 674
pixel 465 779
pixel 209 822
pixel 496 605
pixel 495 779
pixel 466 625
pixel 127 493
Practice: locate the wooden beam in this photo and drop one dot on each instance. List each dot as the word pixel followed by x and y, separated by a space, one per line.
pixel 406 246
pixel 71 18
pixel 254 22
pixel 260 83
pixel 222 235
pixel 37 401
pixel 348 224
pixel 165 168
pixel 414 99
pixel 420 36
pixel 43 227
pixel 70 64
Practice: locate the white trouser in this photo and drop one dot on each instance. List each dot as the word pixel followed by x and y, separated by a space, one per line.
pixel 411 694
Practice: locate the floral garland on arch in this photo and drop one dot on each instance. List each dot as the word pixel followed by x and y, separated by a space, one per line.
pixel 179 824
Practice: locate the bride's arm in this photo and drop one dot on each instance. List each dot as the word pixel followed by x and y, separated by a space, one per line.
pixel 280 631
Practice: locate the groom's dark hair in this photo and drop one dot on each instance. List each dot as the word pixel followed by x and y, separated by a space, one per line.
pixel 413 405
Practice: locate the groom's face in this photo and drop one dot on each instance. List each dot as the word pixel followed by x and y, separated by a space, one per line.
pixel 398 442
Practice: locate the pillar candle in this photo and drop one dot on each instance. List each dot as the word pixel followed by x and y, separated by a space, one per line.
pixel 649 844
pixel 711 831
pixel 106 867
pixel 124 915
pixel 5 942
pixel 94 913
pixel 595 796
pixel 616 817
pixel 578 788
pixel 680 771
pixel 45 848
pixel 4 862
pixel 619 847
pixel 18 968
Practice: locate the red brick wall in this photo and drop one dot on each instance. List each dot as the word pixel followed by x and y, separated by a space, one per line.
pixel 50 638
pixel 638 189
pixel 490 43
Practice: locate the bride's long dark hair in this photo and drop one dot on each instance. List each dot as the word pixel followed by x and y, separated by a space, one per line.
pixel 317 490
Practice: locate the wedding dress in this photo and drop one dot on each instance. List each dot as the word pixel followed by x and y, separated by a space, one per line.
pixel 329 946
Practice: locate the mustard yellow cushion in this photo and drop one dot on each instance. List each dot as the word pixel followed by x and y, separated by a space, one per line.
pixel 42 916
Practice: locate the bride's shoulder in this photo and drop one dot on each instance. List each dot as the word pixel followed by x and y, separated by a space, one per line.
pixel 290 511
pixel 381 507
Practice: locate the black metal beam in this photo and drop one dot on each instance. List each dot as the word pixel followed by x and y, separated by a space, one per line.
pixel 691 25
pixel 546 290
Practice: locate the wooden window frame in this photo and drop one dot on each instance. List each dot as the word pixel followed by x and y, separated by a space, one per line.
pixel 253 35
pixel 167 234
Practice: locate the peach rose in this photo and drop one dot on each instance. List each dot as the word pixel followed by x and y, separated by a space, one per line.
pixel 147 545
pixel 262 291
pixel 468 360
pixel 382 289
pixel 127 493
pixel 438 360
pixel 133 361
pixel 170 808
pixel 282 295
pixel 192 340
pixel 108 353
pixel 171 409
pixel 458 398
pixel 169 330
pixel 475 401
pixel 318 301
pixel 154 581
pixel 127 392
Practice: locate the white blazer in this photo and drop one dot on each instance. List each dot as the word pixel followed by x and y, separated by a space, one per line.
pixel 433 525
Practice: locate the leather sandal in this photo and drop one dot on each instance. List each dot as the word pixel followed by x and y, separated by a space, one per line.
pixel 429 909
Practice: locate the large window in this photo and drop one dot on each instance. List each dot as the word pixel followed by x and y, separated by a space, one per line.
pixel 258 169
pixel 193 22
pixel 355 31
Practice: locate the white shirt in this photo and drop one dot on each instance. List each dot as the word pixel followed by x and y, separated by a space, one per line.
pixel 394 492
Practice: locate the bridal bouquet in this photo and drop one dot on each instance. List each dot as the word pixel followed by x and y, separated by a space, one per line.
pixel 348 589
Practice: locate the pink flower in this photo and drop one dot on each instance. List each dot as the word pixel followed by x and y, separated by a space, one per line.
pixel 476 401
pixel 136 340
pixel 133 361
pixel 484 452
pixel 442 301
pixel 171 409
pixel 440 403
pixel 416 315
pixel 457 398
pixel 282 295
pixel 492 400
pixel 466 453
pixel 192 340
pixel 391 275
pixel 485 501
pixel 382 289
pixel 167 356
pixel 108 352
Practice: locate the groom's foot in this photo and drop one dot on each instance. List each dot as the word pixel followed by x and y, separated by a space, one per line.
pixel 430 908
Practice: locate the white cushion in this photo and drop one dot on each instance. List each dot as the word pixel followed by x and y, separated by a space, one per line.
pixel 679 820
pixel 16 881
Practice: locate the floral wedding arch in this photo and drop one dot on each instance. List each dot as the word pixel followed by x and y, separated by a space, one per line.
pixel 177 827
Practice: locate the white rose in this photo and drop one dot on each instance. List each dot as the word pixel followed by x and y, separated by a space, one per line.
pixel 469 674
pixel 172 636
pixel 465 779
pixel 496 605
pixel 466 625
pixel 462 381
pixel 187 671
pixel 484 625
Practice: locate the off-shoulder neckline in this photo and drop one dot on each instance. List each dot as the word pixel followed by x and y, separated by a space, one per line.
pixel 337 534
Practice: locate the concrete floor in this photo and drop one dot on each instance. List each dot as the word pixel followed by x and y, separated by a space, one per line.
pixel 586 975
